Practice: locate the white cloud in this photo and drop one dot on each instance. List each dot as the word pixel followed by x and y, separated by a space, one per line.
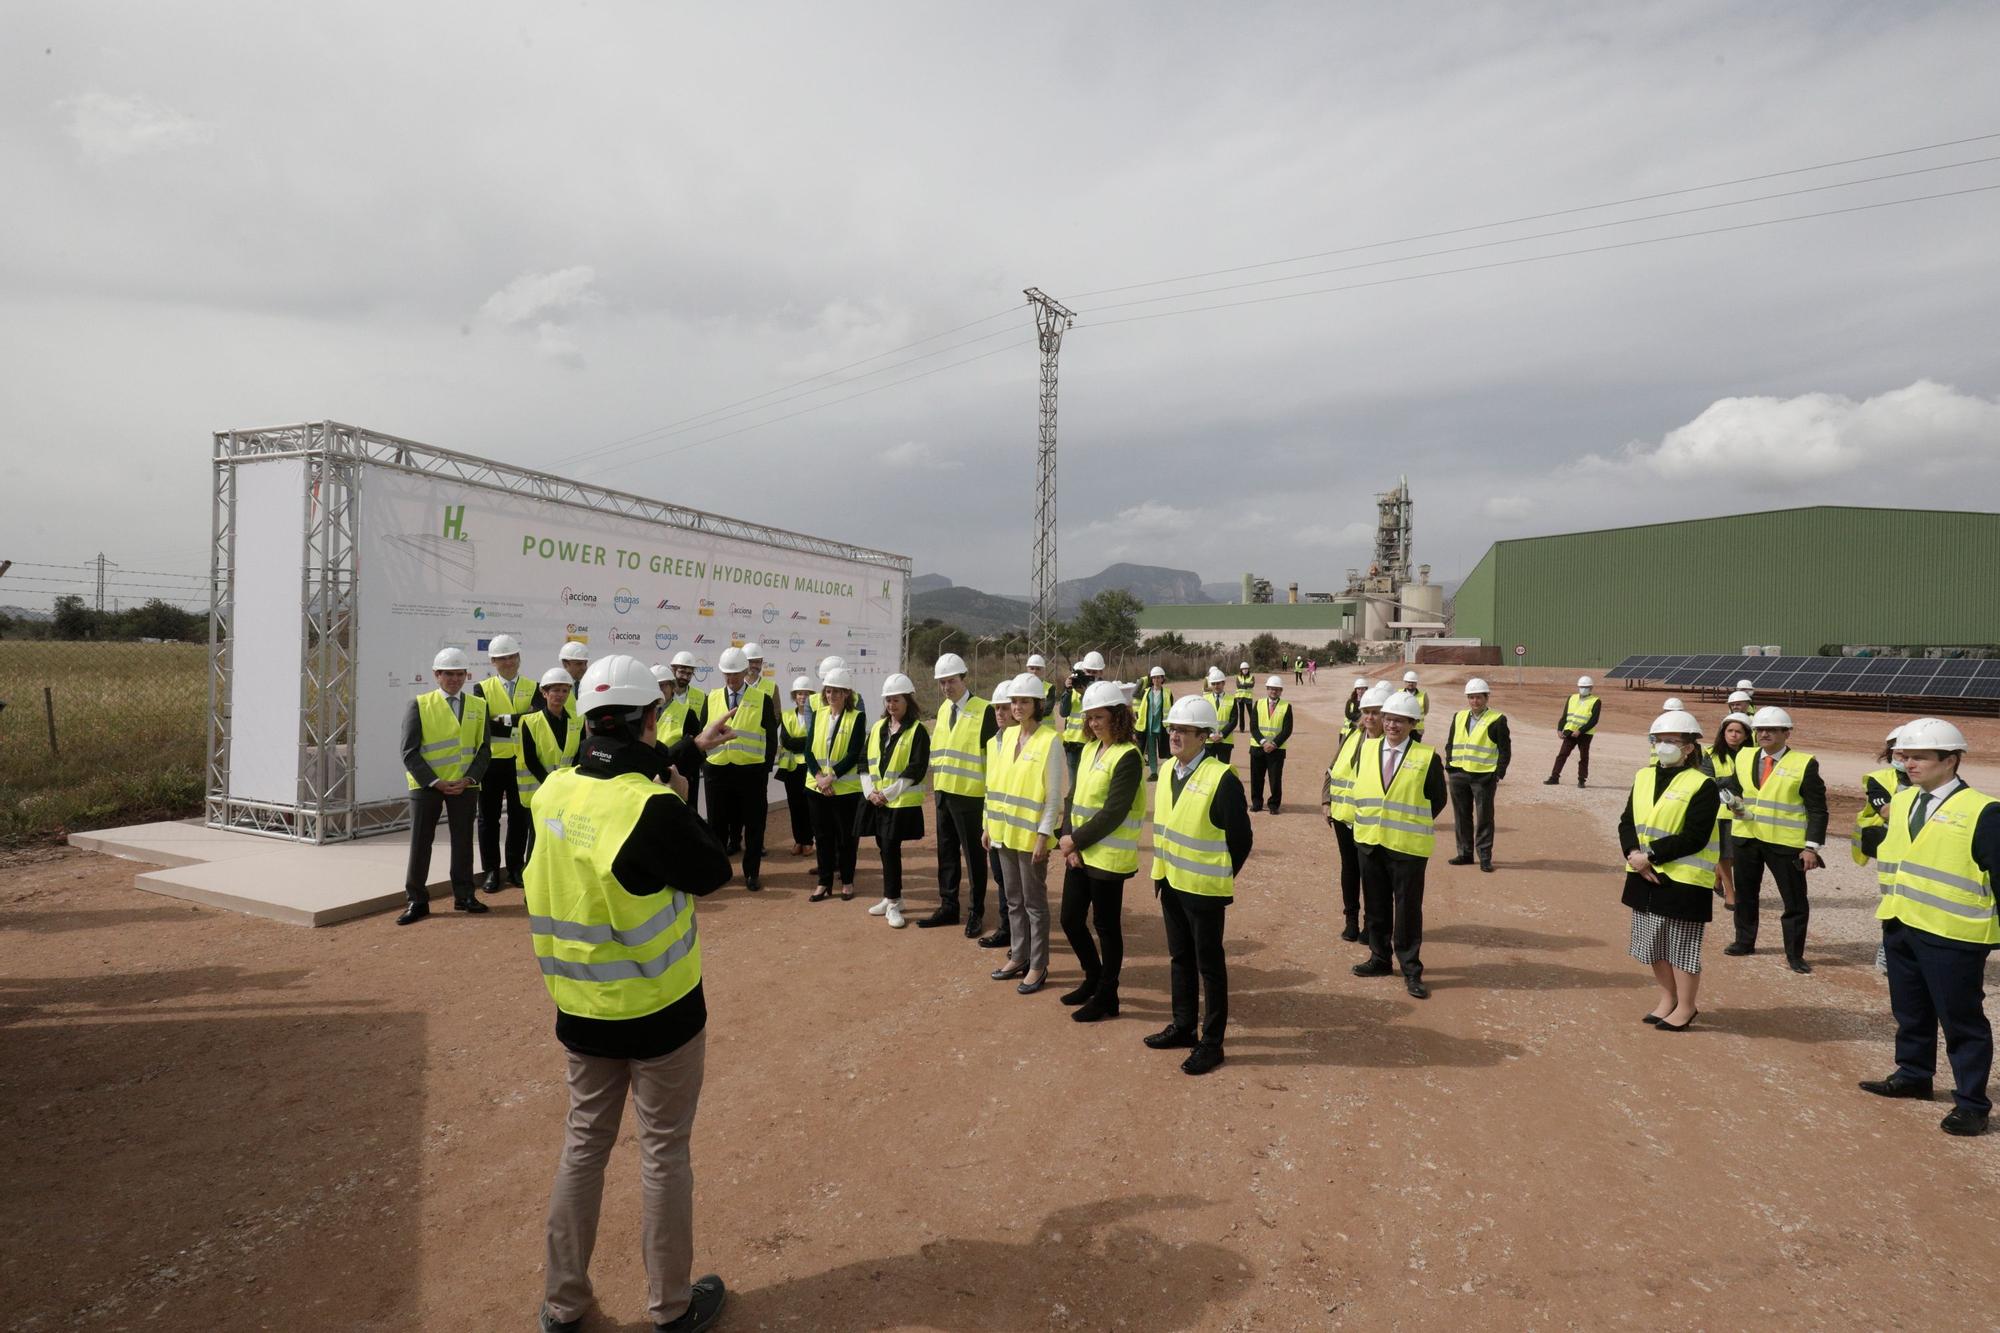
pixel 107 127
pixel 1326 537
pixel 918 454
pixel 1145 528
pixel 1507 508
pixel 561 294
pixel 1817 436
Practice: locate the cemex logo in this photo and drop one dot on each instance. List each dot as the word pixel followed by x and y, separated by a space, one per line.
pixel 623 601
pixel 577 633
pixel 797 642
pixel 623 636
pixel 668 604
pixel 821 643
pixel 571 597
pixel 664 637
pixel 740 612
pixel 704 607
pixel 454 523
pixel 798 615
pixel 702 638
pixel 770 613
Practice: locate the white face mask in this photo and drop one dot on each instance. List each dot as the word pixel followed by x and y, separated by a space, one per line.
pixel 1668 753
pixel 1899 766
pixel 1583 691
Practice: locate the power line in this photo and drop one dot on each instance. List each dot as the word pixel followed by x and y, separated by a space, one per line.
pixel 92 564
pixel 1537 259
pixel 1540 217
pixel 110 584
pixel 1541 235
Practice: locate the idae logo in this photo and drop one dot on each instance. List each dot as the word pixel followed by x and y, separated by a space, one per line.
pixel 577 633
pixel 453 528
pixel 623 601
pixel 825 618
pixel 704 607
pixel 664 637
pixel 572 597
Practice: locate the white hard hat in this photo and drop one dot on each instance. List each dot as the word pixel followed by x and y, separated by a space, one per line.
pixel 1193 711
pixel 801 683
pixel 1216 675
pixel 1402 705
pixel 754 651
pixel 1409 677
pixel 1027 686
pixel 1161 672
pixel 556 676
pixel 840 678
pixel 1894 732
pixel 1673 705
pixel 1093 661
pixel 1078 666
pixel 1128 690
pixel 1584 682
pixel 1242 666
pixel 732 659
pixel 450 659
pixel 574 652
pixel 1744 718
pixel 1739 696
pixel 1746 684
pixel 1477 686
pixel 1273 683
pixel 827 664
pixel 1003 692
pixel 617 681
pixel 1674 722
pixel 1377 694
pixel 1767 716
pixel 1361 682
pixel 1037 662
pixel 898 683
pixel 503 645
pixel 1930 733
pixel 951 664
pixel 659 672
pixel 682 658
pixel 1103 694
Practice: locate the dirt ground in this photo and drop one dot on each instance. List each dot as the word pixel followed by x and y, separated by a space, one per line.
pixel 220 1122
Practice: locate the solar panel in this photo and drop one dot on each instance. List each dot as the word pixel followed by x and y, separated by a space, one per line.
pixel 1937 678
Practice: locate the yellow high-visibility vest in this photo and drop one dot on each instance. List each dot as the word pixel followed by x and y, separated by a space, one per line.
pixel 1246 687
pixel 957 766
pixel 1072 731
pixel 1117 853
pixel 503 699
pixel 747 721
pixel 1340 776
pixel 1189 851
pixel 1142 707
pixel 1662 813
pixel 1014 802
pixel 1225 716
pixel 798 725
pixel 997 751
pixel 1868 816
pixel 536 732
pixel 1577 715
pixel 1932 882
pixel 829 745
pixel 1472 747
pixel 604 953
pixel 449 743
pixel 1399 819
pixel 897 765
pixel 1270 717
pixel 1773 811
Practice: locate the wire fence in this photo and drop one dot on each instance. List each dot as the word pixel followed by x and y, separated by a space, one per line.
pixel 99 733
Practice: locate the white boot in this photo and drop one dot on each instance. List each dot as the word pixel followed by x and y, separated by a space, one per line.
pixel 879 908
pixel 895 915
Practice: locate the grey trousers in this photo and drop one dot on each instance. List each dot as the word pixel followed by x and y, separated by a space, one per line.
pixel 665 1091
pixel 1027 886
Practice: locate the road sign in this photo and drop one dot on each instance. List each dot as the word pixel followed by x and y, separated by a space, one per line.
pixel 1520 650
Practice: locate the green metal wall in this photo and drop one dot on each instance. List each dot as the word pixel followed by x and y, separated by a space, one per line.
pixel 1794 577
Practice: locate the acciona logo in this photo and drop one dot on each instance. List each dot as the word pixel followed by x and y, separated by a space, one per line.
pixel 740 612
pixel 624 600
pixel 571 597
pixel 620 635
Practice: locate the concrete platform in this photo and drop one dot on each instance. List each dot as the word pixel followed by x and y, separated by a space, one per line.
pixel 293 882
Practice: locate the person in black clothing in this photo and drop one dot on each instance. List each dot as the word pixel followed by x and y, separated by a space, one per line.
pixel 1392 881
pixel 1270 728
pixel 739 793
pixel 457 799
pixel 833 760
pixel 1098 891
pixel 960 816
pixel 1576 724
pixel 1473 775
pixel 1336 801
pixel 1755 853
pixel 1670 909
pixel 892 788
pixel 794 736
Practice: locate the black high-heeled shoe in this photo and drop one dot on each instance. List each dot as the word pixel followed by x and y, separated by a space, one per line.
pixel 1008 973
pixel 1664 1026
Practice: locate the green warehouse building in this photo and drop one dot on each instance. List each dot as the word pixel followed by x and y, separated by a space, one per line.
pixel 1802 579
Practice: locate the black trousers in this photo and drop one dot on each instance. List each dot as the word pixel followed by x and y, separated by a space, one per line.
pixel 958 820
pixel 1472 811
pixel 497 792
pixel 1751 859
pixel 999 883
pixel 1350 872
pixel 460 812
pixel 1581 744
pixel 1196 962
pixel 1222 750
pixel 835 843
pixel 1086 898
pixel 1073 754
pixel 890 846
pixel 795 805
pixel 738 804
pixel 1244 708
pixel 1263 765
pixel 1392 886
pixel 1933 985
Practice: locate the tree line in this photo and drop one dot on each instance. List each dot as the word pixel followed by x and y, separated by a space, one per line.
pixel 153 619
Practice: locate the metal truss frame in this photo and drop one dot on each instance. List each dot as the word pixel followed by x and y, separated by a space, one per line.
pixel 336 455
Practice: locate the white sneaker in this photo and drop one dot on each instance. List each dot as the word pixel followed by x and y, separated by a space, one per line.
pixel 895 915
pixel 879 908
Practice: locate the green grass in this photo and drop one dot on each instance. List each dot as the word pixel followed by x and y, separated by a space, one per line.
pixel 131 734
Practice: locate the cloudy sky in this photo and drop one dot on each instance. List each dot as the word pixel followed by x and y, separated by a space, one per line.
pixel 537 231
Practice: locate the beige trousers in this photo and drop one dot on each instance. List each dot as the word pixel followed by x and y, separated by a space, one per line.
pixel 665 1091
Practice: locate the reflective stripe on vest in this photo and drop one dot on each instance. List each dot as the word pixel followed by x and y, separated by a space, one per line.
pixel 1340 776
pixel 1189 851
pixel 513 700
pixel 1663 813
pixel 1072 731
pixel 1117 852
pixel 826 748
pixel 672 726
pixel 603 952
pixel 1931 882
pixel 957 766
pixel 1399 819
pixel 1474 751
pixel 747 721
pixel 1225 715
pixel 797 725
pixel 1014 803
pixel 1246 686
pixel 536 731
pixel 1271 719
pixel 448 743
pixel 996 763
pixel 897 765
pixel 1576 715
pixel 1773 812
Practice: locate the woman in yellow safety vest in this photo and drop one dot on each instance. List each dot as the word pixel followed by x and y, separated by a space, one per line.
pixel 833 763
pixel 1720 760
pixel 892 788
pixel 1668 835
pixel 1100 848
pixel 1149 722
pixel 794 739
pixel 548 739
pixel 1878 789
pixel 1221 742
pixel 1024 799
pixel 1003 719
pixel 1336 800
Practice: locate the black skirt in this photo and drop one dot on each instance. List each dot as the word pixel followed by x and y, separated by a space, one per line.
pixel 906 825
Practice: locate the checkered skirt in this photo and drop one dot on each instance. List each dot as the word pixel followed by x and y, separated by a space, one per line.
pixel 1660 939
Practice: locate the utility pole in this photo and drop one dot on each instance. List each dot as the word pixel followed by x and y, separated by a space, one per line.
pixel 101 562
pixel 1052 319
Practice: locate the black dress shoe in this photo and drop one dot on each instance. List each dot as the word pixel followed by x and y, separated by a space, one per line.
pixel 733 846
pixel 753 883
pixel 1103 1004
pixel 973 925
pixel 1486 867
pixel 997 940
pixel 1170 1038
pixel 514 880
pixel 1416 987
pixel 1374 967
pixel 1256 809
pixel 938 918
pixel 413 912
pixel 1652 1020
pixel 1897 1086
pixel 1963 1123
pixel 551 1324
pixel 1202 1060
pixel 1350 934
pixel 1740 950
pixel 472 905
pixel 1459 861
pixel 1080 994
pixel 1550 782
pixel 495 883
pixel 1800 966
pixel 1582 783
pixel 703 1306
pixel 1274 810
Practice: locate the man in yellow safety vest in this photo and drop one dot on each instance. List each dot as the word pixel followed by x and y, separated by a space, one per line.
pixel 1477 751
pixel 445 752
pixel 1399 790
pixel 1781 828
pixel 508 696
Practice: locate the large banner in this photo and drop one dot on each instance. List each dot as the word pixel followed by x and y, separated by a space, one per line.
pixel 447 564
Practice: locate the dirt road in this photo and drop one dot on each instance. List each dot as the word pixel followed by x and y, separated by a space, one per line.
pixel 219 1122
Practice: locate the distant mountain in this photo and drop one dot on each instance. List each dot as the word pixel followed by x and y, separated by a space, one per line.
pixel 25 613
pixel 928 583
pixel 1223 592
pixel 1151 584
pixel 970 609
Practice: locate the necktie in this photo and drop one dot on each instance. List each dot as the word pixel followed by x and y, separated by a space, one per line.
pixel 1388 766
pixel 458 707
pixel 1764 765
pixel 953 714
pixel 1919 811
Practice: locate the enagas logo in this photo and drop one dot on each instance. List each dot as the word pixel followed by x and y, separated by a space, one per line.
pixel 624 600
pixel 571 597
pixel 702 668
pixel 704 607
pixel 665 637
pixel 796 642
pixel 667 604
pixel 770 613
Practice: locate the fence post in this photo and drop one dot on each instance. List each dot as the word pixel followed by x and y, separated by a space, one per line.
pixel 49 711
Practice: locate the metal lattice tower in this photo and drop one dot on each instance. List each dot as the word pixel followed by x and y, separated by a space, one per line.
pixel 1052 319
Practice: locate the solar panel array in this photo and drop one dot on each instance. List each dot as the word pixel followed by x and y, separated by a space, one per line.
pixel 1921 677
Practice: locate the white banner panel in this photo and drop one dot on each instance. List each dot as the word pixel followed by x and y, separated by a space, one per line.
pixel 267 647
pixel 443 563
